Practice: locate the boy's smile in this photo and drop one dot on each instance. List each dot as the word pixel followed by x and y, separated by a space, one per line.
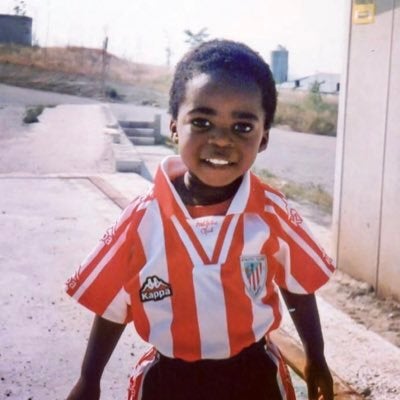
pixel 220 128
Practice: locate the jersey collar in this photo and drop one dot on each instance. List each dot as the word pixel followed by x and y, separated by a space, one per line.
pixel 246 199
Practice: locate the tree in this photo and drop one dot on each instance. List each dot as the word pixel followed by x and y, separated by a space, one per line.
pixel 20 7
pixel 194 39
pixel 314 96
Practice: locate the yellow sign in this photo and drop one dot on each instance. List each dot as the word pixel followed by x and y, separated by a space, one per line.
pixel 363 11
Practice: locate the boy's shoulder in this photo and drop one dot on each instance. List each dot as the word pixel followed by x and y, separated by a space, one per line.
pixel 276 203
pixel 271 193
pixel 138 205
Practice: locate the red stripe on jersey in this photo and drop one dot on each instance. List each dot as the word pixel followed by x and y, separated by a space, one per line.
pixel 270 247
pixel 239 320
pixel 195 241
pixel 221 238
pixel 314 274
pixel 139 316
pixel 185 326
pixel 139 373
pixel 298 229
pixel 98 254
pixel 107 282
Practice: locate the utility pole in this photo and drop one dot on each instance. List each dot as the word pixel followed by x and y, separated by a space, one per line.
pixel 169 54
pixel 104 62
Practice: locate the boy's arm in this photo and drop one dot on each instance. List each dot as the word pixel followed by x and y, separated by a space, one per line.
pixel 103 338
pixel 304 312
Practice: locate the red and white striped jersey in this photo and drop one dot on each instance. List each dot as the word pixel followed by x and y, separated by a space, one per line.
pixel 203 287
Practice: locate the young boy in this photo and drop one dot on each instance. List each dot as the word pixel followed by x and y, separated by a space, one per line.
pixel 196 263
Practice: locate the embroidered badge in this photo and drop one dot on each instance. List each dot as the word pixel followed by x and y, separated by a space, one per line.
pixel 154 289
pixel 254 271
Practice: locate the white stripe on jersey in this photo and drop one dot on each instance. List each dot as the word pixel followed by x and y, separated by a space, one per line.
pixel 283 257
pixel 228 239
pixel 211 311
pixel 256 233
pixel 154 249
pixel 302 243
pixel 128 211
pixel 241 197
pixel 279 201
pixel 194 256
pixel 115 310
pixel 103 263
pixel 207 230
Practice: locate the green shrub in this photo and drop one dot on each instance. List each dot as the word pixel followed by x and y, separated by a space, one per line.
pixel 310 114
pixel 311 193
pixel 32 113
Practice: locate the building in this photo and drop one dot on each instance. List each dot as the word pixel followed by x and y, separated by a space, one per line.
pixel 15 29
pixel 367 179
pixel 280 64
pixel 328 82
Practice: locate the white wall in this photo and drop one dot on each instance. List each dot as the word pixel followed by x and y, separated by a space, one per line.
pixel 367 192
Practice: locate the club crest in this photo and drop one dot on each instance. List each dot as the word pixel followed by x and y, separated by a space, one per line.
pixel 254 271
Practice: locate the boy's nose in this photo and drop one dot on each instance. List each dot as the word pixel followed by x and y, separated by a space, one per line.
pixel 220 137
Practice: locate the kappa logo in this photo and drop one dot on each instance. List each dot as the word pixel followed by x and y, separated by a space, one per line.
pixel 294 217
pixel 108 236
pixel 154 289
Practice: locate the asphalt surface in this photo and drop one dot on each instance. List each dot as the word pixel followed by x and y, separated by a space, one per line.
pixel 294 156
pixel 49 221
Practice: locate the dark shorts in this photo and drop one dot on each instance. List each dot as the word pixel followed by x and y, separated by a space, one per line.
pixel 256 373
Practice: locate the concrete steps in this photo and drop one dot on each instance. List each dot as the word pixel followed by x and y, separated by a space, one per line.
pixel 143 132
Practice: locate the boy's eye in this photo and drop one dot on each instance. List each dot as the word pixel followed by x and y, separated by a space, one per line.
pixel 201 123
pixel 242 127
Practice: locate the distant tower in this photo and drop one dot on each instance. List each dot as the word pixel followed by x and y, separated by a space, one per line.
pixel 280 64
pixel 16 29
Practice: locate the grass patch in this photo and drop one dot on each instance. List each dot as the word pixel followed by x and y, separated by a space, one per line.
pixel 310 113
pixel 311 193
pixel 32 113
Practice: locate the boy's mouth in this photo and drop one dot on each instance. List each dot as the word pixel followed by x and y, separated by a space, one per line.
pixel 218 162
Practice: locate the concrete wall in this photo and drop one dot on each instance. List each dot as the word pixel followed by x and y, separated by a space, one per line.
pixel 16 29
pixel 367 191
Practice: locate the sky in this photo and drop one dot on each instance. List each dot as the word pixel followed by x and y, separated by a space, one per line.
pixel 313 31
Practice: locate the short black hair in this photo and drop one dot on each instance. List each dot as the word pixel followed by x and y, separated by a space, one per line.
pixel 227 56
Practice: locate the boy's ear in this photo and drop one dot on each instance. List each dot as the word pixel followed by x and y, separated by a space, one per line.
pixel 264 141
pixel 173 131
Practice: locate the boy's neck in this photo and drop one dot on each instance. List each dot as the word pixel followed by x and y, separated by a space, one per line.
pixel 194 192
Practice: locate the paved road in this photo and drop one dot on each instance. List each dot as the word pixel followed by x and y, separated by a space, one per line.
pixel 300 157
pixel 16 96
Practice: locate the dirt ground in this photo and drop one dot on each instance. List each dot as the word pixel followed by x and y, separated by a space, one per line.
pixel 360 302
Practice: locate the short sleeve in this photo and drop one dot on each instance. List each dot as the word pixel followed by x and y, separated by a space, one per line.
pixel 99 282
pixel 302 264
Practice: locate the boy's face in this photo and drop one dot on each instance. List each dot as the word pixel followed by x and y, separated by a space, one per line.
pixel 220 127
